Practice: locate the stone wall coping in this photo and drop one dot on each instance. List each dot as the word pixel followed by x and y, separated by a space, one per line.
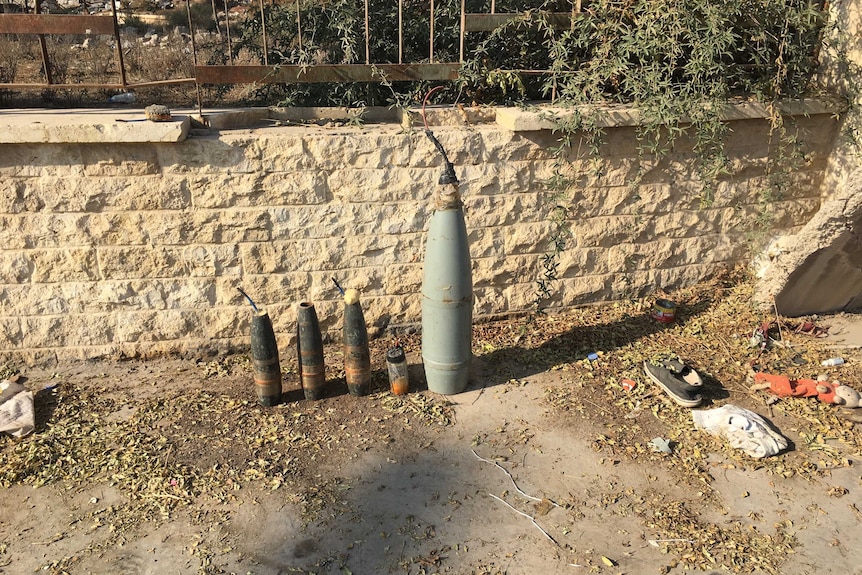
pixel 87 126
pixel 51 126
pixel 536 118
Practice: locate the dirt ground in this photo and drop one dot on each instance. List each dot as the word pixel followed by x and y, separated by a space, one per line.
pixel 544 465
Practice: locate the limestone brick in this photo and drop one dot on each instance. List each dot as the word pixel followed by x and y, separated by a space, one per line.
pixel 205 227
pixel 229 154
pixel 90 194
pixel 61 265
pixel 403 279
pixel 629 200
pixel 521 295
pixel 641 283
pixel 578 262
pixel 119 160
pixel 381 250
pixel 58 331
pixel 266 289
pixel 226 322
pixel 19 195
pixel 31 160
pixel 502 210
pixel 505 147
pixel 676 252
pixel 373 184
pixel 285 152
pixel 24 231
pixel 487 242
pixel 292 256
pixel 493 178
pixel 502 270
pixel 10 333
pixel 489 301
pixel 15 267
pixel 747 138
pixel 384 312
pixel 358 148
pixel 214 191
pixel 36 299
pixel 793 213
pixel 168 262
pixel 585 289
pixel 464 146
pixel 103 229
pixel 687 223
pixel 340 220
pixel 528 238
pixel 608 231
pixel 149 325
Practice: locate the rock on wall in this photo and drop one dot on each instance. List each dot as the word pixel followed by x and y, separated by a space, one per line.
pixel 136 249
pixel 819 268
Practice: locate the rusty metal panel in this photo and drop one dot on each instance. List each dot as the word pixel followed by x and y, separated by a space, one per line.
pixel 81 86
pixel 490 22
pixel 324 73
pixel 97 86
pixel 55 24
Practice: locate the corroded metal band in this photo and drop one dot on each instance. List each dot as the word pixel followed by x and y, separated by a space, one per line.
pixel 449 198
pixel 267 378
pixel 357 376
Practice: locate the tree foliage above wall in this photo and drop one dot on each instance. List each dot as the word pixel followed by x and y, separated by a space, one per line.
pixel 629 51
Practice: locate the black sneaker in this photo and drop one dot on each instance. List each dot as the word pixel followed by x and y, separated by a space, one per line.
pixel 683 371
pixel 678 390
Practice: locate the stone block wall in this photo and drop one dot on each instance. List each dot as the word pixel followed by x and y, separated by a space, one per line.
pixel 136 249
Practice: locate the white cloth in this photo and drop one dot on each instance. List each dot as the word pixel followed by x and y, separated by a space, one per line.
pixel 16 409
pixel 743 429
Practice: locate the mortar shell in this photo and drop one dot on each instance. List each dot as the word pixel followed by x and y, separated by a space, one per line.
pixel 357 358
pixel 264 359
pixel 309 346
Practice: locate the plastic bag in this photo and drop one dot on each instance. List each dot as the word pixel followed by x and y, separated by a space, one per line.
pixel 743 429
pixel 16 409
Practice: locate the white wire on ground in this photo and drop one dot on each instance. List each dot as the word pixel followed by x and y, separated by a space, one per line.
pixel 506 471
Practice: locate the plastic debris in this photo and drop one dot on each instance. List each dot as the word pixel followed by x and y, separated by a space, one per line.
pixel 742 428
pixel 16 409
pixel 628 384
pixel 124 98
pixel 661 444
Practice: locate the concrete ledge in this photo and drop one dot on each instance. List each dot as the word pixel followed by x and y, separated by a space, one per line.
pixel 77 126
pixel 548 117
pixel 84 126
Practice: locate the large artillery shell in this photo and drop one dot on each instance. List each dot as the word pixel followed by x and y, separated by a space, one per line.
pixel 264 358
pixel 309 344
pixel 447 302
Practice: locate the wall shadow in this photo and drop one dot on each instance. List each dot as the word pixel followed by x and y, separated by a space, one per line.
pixel 500 366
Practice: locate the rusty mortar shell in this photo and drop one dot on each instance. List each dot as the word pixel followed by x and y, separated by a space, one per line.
pixel 309 347
pixel 264 359
pixel 357 358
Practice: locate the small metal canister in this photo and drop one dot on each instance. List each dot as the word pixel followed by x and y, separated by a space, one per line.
pixel 397 364
pixel 664 311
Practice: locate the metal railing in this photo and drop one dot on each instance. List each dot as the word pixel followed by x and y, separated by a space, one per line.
pixel 40 25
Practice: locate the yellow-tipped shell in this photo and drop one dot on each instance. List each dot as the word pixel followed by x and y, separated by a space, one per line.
pixel 351 296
